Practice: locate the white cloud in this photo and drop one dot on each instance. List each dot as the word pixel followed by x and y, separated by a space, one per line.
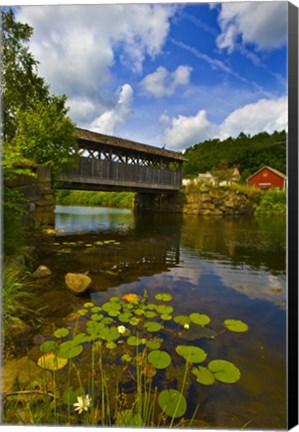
pixel 110 121
pixel 186 131
pixel 77 45
pixel 164 83
pixel 263 24
pixel 264 115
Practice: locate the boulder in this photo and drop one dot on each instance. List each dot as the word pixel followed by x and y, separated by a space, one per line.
pixel 77 283
pixel 41 271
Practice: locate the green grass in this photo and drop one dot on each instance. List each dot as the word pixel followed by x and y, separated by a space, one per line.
pixel 89 198
pixel 16 298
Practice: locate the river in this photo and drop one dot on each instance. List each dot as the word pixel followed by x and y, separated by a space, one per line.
pixel 227 268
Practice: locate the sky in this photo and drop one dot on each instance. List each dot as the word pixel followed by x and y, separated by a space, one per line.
pixel 171 74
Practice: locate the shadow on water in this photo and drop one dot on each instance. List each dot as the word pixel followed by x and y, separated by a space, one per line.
pixel 226 268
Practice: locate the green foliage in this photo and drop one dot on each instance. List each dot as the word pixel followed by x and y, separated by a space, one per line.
pixel 89 198
pixel 247 153
pixel 46 135
pixel 272 202
pixel 35 125
pixel 128 354
pixel 16 298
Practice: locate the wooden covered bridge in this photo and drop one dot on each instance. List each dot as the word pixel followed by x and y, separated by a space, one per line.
pixel 108 163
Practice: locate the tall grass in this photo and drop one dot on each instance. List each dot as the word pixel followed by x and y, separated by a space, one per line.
pixel 16 298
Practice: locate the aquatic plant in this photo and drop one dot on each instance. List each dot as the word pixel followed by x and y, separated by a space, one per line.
pixel 133 353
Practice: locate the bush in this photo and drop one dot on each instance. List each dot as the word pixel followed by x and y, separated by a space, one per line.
pixel 273 202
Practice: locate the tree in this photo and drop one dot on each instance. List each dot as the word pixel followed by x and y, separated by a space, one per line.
pixel 35 123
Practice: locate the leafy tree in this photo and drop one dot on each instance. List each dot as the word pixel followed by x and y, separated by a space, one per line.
pixel 35 129
pixel 35 125
pixel 249 153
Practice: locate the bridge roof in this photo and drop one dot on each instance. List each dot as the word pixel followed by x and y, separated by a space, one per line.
pixel 98 138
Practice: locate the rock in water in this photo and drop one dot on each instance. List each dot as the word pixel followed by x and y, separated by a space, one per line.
pixel 77 283
pixel 41 271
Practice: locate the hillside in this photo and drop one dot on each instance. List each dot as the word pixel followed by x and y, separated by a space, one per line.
pixel 245 152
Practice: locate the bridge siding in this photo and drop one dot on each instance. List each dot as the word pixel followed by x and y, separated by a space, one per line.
pixel 121 175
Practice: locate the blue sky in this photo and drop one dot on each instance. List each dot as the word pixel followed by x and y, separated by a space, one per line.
pixel 166 74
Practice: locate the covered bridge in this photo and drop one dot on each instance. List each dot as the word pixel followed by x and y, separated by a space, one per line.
pixel 109 163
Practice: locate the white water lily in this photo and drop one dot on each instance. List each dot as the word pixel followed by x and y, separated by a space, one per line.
pixel 82 404
pixel 121 329
pixel 186 326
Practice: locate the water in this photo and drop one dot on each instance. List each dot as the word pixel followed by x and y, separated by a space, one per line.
pixel 225 268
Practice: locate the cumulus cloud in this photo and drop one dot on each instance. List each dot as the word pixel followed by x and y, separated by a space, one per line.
pixel 77 45
pixel 264 115
pixel 185 131
pixel 164 83
pixel 110 121
pixel 263 24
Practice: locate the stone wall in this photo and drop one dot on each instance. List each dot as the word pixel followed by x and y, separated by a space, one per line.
pixel 208 199
pixel 38 197
pixel 201 199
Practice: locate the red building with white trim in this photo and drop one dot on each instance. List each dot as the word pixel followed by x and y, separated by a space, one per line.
pixel 266 178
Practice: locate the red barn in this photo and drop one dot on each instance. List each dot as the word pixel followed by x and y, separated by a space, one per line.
pixel 266 178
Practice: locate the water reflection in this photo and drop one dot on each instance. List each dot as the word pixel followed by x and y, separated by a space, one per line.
pixel 225 268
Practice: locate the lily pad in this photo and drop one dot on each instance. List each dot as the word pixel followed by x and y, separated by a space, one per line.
pixel 172 403
pixel 126 358
pixel 125 317
pixel 150 314
pixel 166 317
pixel 51 362
pixel 164 309
pixel 182 319
pixel 164 297
pixel 109 334
pixel 48 347
pixel 154 343
pixel 97 317
pixel 203 375
pixel 88 305
pixel 94 327
pixel 134 341
pixel 138 312
pixel 200 319
pixel 115 299
pixel 82 312
pixel 81 338
pixel 153 326
pixel 236 325
pixel 69 349
pixel 111 345
pixel 191 353
pixel 61 332
pixel 96 309
pixel 159 359
pixel 134 321
pixel 111 306
pixel 224 371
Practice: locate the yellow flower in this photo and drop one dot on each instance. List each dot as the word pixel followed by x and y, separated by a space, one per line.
pixel 121 329
pixel 186 326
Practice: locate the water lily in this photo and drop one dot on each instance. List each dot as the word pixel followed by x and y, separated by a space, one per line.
pixel 121 329
pixel 82 404
pixel 186 326
pixel 132 298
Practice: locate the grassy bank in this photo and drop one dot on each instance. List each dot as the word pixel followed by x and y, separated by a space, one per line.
pixel 90 198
